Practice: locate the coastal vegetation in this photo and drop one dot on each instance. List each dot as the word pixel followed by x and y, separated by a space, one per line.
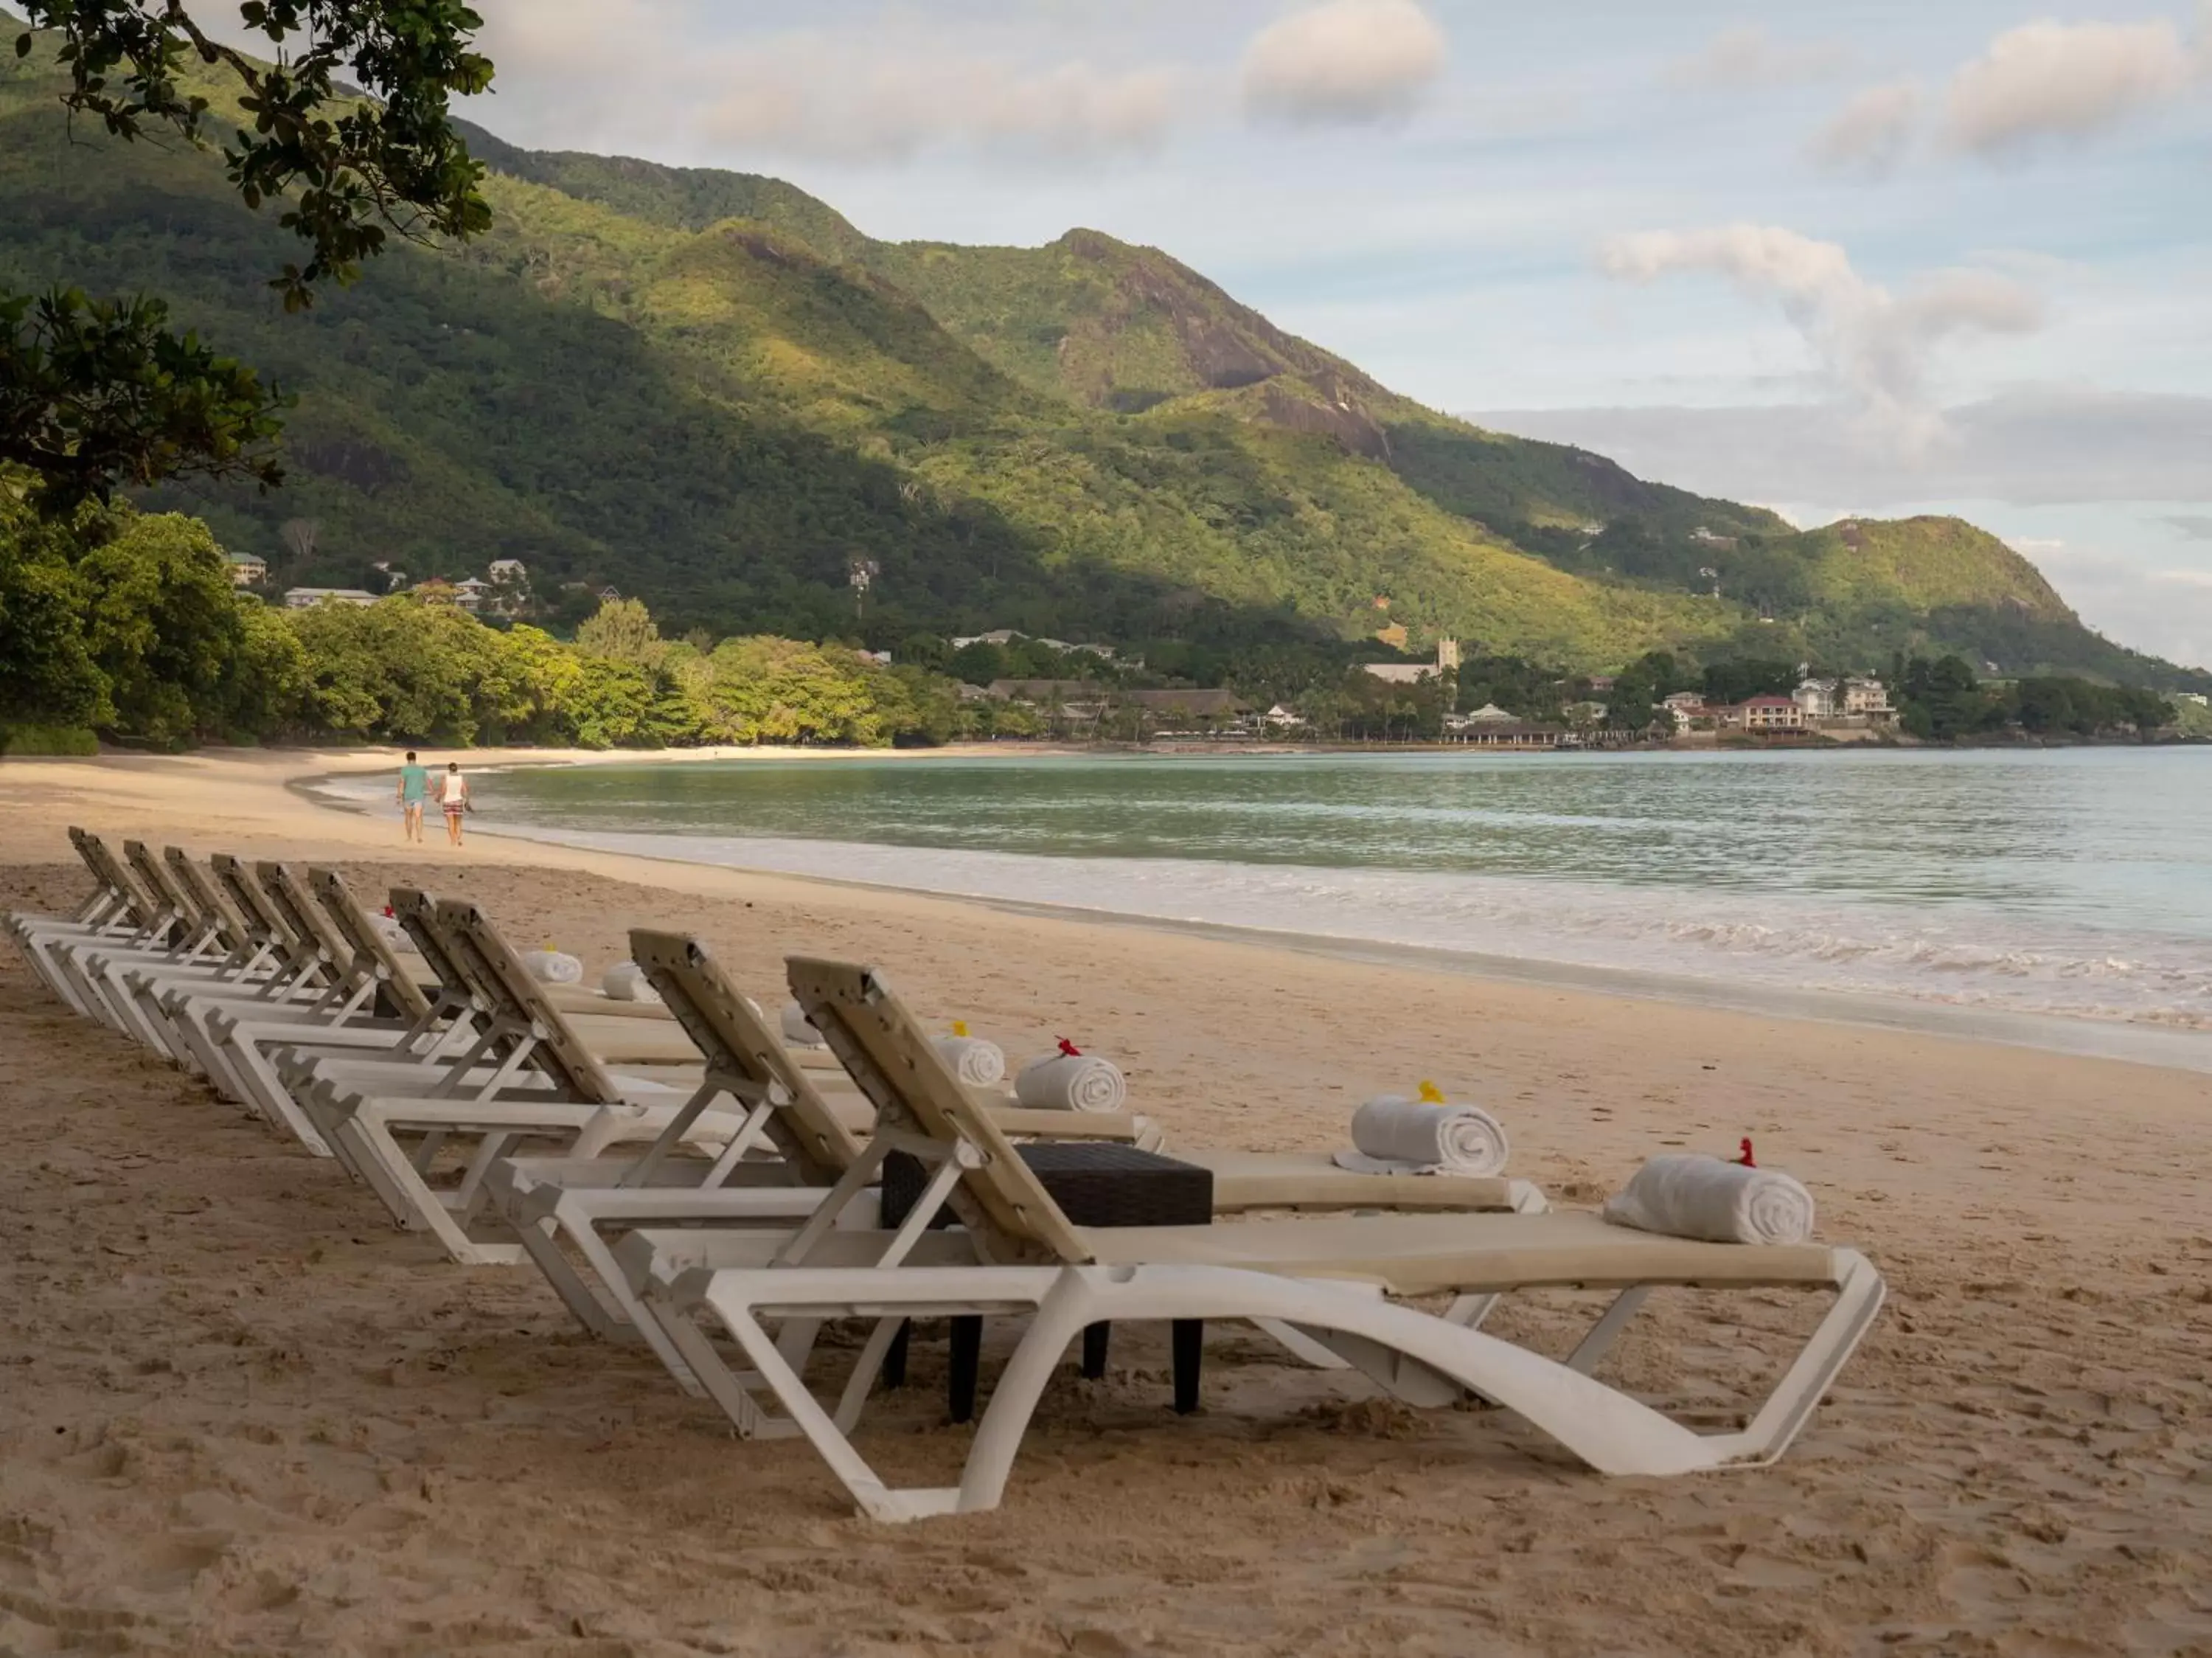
pixel 127 624
pixel 710 391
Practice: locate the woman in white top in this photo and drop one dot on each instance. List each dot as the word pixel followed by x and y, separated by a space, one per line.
pixel 453 795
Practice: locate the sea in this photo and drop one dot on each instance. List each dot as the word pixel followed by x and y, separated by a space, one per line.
pixel 2059 897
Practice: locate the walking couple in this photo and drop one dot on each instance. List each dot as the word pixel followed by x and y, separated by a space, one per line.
pixel 415 785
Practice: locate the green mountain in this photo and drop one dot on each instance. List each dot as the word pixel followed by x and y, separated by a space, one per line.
pixel 712 391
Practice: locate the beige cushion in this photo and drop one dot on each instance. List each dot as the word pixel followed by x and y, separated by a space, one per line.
pixel 1309 1179
pixel 1421 1254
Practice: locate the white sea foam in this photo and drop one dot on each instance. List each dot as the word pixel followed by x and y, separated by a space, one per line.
pixel 2020 965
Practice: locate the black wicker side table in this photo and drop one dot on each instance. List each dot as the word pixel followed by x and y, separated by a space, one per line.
pixel 1096 1183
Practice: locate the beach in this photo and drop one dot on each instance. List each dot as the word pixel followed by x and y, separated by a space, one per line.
pixel 242 1413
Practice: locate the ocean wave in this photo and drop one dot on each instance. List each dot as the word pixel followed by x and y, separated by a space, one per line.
pixel 1955 957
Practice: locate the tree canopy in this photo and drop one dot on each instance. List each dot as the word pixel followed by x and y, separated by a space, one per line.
pixel 98 393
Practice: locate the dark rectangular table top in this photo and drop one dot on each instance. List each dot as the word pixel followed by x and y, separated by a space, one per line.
pixel 1094 1182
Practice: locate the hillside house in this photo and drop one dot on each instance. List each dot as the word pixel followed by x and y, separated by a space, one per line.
pixel 308 598
pixel 1506 733
pixel 1817 698
pixel 1003 637
pixel 1763 714
pixel 1868 698
pixel 247 570
pixel 508 569
pixel 1446 661
pixel 1851 701
pixel 1210 709
pixel 1074 699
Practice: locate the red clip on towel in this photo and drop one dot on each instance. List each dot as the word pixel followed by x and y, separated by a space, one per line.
pixel 1745 1160
pixel 1069 1049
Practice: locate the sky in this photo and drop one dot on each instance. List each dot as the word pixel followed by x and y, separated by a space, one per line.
pixel 1870 258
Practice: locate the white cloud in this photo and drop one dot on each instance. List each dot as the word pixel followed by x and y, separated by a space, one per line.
pixel 2036 447
pixel 2066 80
pixel 1874 346
pixel 1871 132
pixel 2041 80
pixel 810 97
pixel 1750 57
pixel 629 71
pixel 1344 62
pixel 2196 526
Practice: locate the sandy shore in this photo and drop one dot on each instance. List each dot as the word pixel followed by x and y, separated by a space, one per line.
pixel 239 1413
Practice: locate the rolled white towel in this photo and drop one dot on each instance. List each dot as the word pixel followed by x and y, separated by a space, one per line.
pixel 797 1031
pixel 978 1063
pixel 553 967
pixel 1393 1134
pixel 1071 1082
pixel 1685 1195
pixel 626 982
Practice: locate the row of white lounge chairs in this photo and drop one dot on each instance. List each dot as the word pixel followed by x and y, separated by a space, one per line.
pixel 684 1178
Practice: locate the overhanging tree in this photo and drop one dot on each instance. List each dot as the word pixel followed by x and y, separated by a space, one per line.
pixel 95 394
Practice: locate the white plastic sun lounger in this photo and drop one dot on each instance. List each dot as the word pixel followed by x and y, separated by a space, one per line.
pixel 170 931
pixel 305 980
pixel 365 1009
pixel 1334 1279
pixel 222 951
pixel 588 1108
pixel 114 909
pixel 122 913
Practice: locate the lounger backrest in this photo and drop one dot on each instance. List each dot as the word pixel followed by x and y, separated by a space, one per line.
pixel 157 881
pixel 137 904
pixel 207 900
pixel 81 840
pixel 303 915
pixel 373 952
pixel 416 912
pixel 90 848
pixel 491 966
pixel 738 1043
pixel 887 1052
pixel 253 907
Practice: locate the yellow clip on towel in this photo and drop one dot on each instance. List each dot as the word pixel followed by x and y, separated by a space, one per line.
pixel 960 1028
pixel 1431 1095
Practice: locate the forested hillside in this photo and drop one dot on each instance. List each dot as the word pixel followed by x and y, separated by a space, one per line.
pixel 712 391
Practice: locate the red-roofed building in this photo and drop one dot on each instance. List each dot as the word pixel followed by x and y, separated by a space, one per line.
pixel 1763 713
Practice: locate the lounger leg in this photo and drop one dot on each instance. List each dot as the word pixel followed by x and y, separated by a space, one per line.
pixel 1602 1334
pixel 372 1140
pixel 727 1387
pixel 1187 1340
pixel 895 1356
pixel 269 1094
pixel 966 1367
pixel 541 1240
pixel 1795 1397
pixel 1095 1338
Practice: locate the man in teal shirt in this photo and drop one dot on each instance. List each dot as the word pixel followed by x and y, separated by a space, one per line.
pixel 414 789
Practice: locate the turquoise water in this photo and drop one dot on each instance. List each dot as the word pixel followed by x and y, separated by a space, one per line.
pixel 2074 881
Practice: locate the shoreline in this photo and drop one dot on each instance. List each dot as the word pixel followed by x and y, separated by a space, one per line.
pixel 2161 1047
pixel 2113 1040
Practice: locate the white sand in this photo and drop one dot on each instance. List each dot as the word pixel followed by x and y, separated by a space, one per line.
pixel 239 1413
